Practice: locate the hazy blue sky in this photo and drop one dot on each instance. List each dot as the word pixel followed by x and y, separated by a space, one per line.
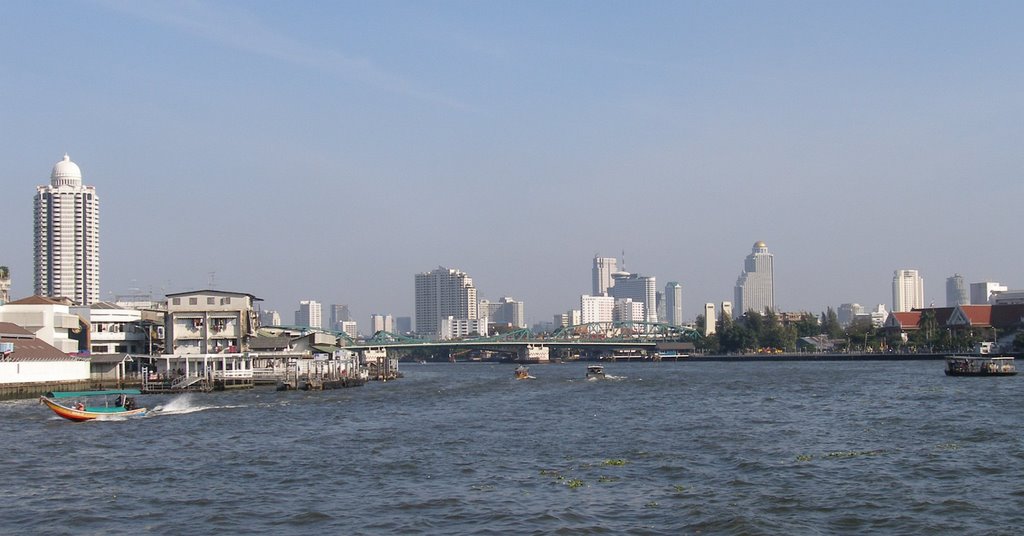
pixel 331 150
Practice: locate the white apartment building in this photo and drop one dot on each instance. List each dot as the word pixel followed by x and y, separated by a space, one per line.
pixel 114 329
pixel 67 236
pixel 755 287
pixel 596 309
pixel 727 309
pixel 627 310
pixel 907 291
pixel 309 314
pixel 382 323
pixel 350 328
pixel 442 293
pixel 209 322
pixel 460 328
pixel 572 317
pixel 507 310
pixel 710 319
pixel 270 317
pixel 981 293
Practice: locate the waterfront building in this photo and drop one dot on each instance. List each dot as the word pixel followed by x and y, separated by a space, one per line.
pixel 848 312
pixel 674 303
pixel 115 329
pixel 382 323
pixel 907 291
pixel 460 328
pixel 710 319
pixel 50 320
pixel 596 309
pixel 755 287
pixel 956 291
pixel 603 269
pixel 981 293
pixel 627 310
pixel 403 325
pixel 5 285
pixel 309 314
pixel 27 359
pixel 209 322
pixel 339 313
pixel 270 317
pixel 639 288
pixel 442 293
pixel 350 328
pixel 67 236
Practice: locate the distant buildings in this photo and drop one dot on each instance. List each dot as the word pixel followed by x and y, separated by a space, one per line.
pixel 339 313
pixel 848 312
pixel 309 314
pixel 981 293
pixel 350 328
pixel 67 236
pixel 403 325
pixel 507 310
pixel 956 291
pixel 907 291
pixel 755 287
pixel 382 323
pixel 674 303
pixel 270 318
pixel 5 285
pixel 596 309
pixel 460 328
pixel 627 310
pixel 710 319
pixel 442 293
pixel 115 329
pixel 603 269
pixel 640 288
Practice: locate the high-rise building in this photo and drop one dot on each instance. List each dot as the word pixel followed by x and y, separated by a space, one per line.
pixel 350 328
pixel 710 319
pixel 907 291
pixel 596 308
pixel 956 291
pixel 604 267
pixel 339 314
pixel 848 312
pixel 270 318
pixel 755 287
pixel 981 293
pixel 441 293
pixel 403 325
pixel 639 288
pixel 308 314
pixel 506 311
pixel 674 303
pixel 627 310
pixel 5 285
pixel 67 236
pixel 382 323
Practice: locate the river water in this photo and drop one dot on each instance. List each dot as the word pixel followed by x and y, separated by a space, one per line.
pixel 664 448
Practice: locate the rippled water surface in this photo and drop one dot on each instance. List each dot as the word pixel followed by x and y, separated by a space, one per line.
pixel 666 448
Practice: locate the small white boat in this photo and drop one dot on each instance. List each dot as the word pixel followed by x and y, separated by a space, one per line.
pixel 595 372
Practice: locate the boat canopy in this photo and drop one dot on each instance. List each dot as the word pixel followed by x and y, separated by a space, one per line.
pixel 81 394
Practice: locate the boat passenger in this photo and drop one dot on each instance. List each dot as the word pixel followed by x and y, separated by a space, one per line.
pixel 80 406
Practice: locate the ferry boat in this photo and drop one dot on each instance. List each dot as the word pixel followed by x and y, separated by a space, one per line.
pixel 982 363
pixel 595 372
pixel 122 406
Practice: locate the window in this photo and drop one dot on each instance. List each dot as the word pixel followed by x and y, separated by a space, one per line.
pixel 193 301
pixel 209 301
pixel 176 301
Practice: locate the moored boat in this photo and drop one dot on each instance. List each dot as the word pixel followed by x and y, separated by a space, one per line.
pixel 980 365
pixel 84 407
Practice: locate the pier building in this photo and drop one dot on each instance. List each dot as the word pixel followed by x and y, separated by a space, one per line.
pixel 67 236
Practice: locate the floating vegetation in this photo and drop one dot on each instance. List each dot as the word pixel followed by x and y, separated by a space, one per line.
pixel 615 462
pixel 852 453
pixel 652 504
pixel 575 483
pixel 604 478
pixel 804 458
pixel 679 488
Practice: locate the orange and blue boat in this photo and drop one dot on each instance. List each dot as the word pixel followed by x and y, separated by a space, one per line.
pixel 85 406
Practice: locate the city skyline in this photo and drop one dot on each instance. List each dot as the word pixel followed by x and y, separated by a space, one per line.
pixel 210 127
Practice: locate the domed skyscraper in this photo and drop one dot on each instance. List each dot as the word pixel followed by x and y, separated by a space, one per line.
pixel 755 288
pixel 67 236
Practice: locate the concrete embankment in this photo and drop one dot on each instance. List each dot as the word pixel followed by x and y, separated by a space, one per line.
pixel 820 357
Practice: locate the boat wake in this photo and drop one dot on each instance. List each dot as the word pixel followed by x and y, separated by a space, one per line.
pixel 182 405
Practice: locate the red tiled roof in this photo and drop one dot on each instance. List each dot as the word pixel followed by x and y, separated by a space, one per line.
pixel 35 300
pixel 34 350
pixel 8 329
pixel 978 315
pixel 905 320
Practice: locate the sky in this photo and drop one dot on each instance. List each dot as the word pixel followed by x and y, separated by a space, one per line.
pixel 331 150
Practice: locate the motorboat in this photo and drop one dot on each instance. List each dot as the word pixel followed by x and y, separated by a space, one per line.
pixel 523 373
pixel 86 405
pixel 980 365
pixel 595 372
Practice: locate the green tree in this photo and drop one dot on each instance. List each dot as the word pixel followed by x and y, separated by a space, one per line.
pixel 830 324
pixel 807 326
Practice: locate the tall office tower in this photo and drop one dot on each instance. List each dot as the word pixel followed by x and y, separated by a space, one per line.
pixel 5 285
pixel 907 291
pixel 441 293
pixel 270 318
pixel 339 314
pixel 674 303
pixel 981 293
pixel 640 288
pixel 596 308
pixel 627 310
pixel 604 267
pixel 403 325
pixel 710 320
pixel 848 312
pixel 956 291
pixel 308 314
pixel 67 236
pixel 755 287
pixel 382 323
pixel 727 309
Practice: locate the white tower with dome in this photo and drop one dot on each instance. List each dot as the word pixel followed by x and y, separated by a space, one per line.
pixel 67 236
pixel 755 287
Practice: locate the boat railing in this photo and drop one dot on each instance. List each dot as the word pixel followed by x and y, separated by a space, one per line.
pixel 233 374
